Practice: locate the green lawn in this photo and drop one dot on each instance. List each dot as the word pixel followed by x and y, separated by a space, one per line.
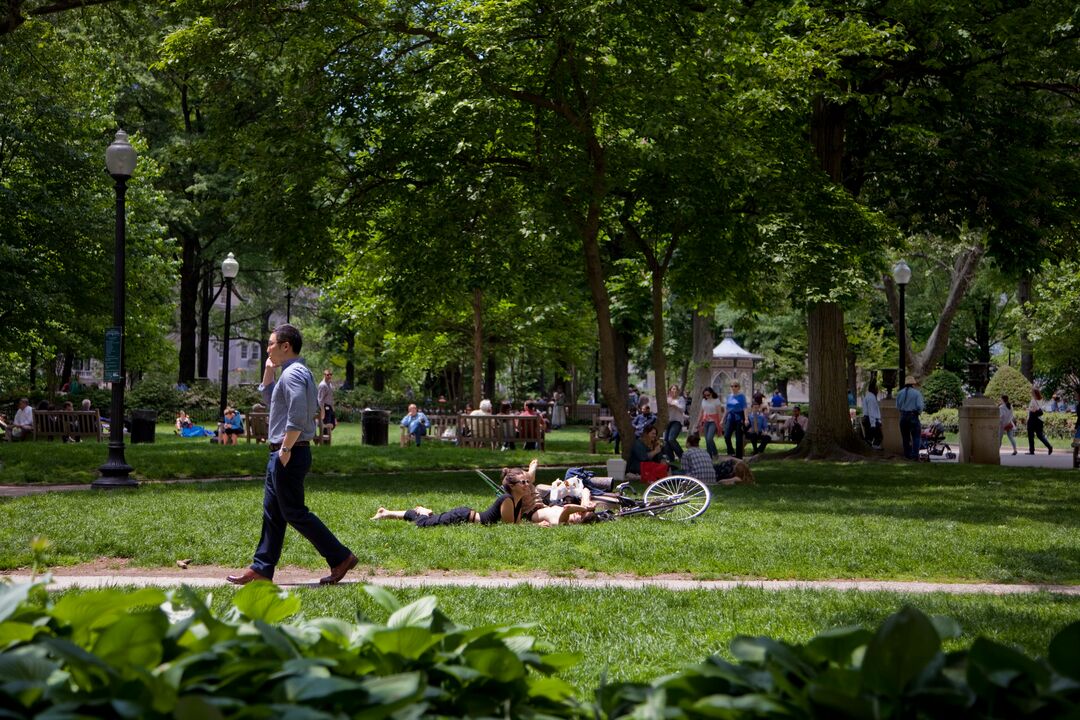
pixel 174 457
pixel 802 520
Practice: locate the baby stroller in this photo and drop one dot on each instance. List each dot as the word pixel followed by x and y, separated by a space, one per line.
pixel 933 441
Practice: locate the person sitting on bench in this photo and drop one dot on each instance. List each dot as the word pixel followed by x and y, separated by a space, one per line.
pixel 795 426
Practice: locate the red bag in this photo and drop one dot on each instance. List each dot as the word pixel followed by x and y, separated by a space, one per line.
pixel 653 471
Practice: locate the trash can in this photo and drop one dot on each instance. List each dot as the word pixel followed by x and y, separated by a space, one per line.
pixel 374 426
pixel 143 426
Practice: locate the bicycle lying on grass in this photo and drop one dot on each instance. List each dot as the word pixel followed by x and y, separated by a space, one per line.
pixel 675 497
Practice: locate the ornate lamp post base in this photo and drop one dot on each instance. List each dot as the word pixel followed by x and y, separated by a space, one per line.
pixel 115 473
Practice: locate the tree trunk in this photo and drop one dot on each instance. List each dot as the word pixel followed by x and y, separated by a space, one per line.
pixel 33 368
pixel 489 378
pixel 659 361
pixel 830 432
pixel 65 371
pixel 478 347
pixel 960 279
pixel 1027 356
pixel 983 318
pixel 189 297
pixel 852 374
pixel 781 385
pixel 204 321
pixel 704 339
pixel 350 364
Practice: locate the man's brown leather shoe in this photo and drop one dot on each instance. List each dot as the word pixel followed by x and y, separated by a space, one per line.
pixel 247 576
pixel 337 572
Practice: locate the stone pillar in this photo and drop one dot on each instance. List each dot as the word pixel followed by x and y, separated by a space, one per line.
pixel 890 427
pixel 979 432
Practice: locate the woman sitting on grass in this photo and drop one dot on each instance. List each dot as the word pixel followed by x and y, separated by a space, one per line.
pixel 520 501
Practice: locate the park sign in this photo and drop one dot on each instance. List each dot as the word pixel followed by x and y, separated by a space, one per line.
pixel 114 353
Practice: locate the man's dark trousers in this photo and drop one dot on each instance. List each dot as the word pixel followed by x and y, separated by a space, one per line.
pixel 283 505
pixel 911 434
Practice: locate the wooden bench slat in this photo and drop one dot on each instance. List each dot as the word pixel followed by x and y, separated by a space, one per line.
pixel 67 423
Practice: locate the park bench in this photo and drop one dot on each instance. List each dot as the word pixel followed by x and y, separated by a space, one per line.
pixel 437 429
pixel 67 423
pixel 256 426
pixel 599 429
pixel 477 431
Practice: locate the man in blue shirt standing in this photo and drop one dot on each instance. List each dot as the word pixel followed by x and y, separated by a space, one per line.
pixel 293 402
pixel 909 402
pixel 416 423
pixel 735 419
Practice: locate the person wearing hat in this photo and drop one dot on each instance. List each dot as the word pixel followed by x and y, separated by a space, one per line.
pixel 909 402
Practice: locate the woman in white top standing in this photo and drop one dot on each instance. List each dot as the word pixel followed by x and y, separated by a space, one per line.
pixel 1035 423
pixel 712 409
pixel 1006 422
pixel 871 410
pixel 676 416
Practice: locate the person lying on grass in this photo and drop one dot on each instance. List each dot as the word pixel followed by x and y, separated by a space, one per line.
pixel 519 501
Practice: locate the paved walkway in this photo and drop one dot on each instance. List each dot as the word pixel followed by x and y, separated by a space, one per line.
pixel 62 582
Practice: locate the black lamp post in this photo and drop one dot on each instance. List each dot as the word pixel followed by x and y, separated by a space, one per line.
pixel 288 303
pixel 902 276
pixel 229 269
pixel 120 160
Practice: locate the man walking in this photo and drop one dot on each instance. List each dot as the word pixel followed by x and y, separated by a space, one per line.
pixel 326 403
pixel 293 404
pixel 909 402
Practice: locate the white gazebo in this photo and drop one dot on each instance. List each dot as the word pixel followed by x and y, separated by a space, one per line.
pixel 730 361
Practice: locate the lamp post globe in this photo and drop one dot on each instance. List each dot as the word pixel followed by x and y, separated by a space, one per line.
pixel 901 273
pixel 120 160
pixel 229 270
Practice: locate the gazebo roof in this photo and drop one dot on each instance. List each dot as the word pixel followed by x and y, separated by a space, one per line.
pixel 728 348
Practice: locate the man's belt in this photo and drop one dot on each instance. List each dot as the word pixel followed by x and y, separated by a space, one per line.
pixel 274 447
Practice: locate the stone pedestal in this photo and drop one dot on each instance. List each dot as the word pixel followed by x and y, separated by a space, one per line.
pixel 890 428
pixel 979 432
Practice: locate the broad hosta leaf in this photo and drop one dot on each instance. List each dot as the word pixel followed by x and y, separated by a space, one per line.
pixel 551 688
pixel 94 610
pixel 313 687
pixel 11 596
pixel 394 688
pixel 836 645
pixel 904 644
pixel 495 661
pixel 415 614
pixel 1000 665
pixel 14 632
pixel 133 640
pixel 1064 653
pixel 194 707
pixel 265 601
pixel 409 642
pixel 383 597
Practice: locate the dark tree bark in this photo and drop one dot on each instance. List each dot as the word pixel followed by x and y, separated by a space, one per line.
pixel 350 364
pixel 189 296
pixel 206 304
pixel 490 368
pixel 704 339
pixel 1027 354
pixel 478 347
pixel 65 371
pixel 830 435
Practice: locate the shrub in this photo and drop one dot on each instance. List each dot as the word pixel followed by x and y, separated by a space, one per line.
pixel 1008 381
pixel 942 389
pixel 108 653
pixel 159 395
pixel 114 654
pixel 948 417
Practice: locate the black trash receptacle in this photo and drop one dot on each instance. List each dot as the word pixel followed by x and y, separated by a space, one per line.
pixel 374 427
pixel 143 426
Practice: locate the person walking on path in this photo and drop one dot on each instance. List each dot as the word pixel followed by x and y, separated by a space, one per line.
pixel 735 420
pixel 293 401
pixel 1035 423
pixel 676 414
pixel 871 409
pixel 909 402
pixel 1006 422
pixel 709 421
pixel 326 402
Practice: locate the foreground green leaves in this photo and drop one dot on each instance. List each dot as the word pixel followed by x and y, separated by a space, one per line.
pixel 153 654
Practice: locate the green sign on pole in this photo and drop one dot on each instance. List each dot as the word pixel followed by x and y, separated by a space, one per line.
pixel 114 351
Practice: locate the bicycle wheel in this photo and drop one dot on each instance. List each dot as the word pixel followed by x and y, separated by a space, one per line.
pixel 692 494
